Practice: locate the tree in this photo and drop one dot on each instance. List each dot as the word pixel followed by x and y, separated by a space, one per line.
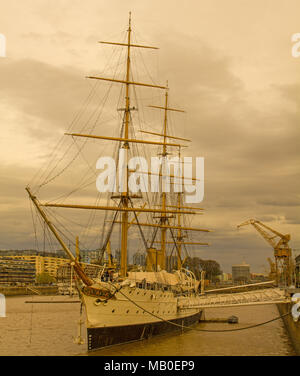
pixel 212 269
pixel 44 278
pixel 196 265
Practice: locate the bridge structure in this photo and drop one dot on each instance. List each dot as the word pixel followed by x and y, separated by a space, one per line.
pixel 259 297
pixel 252 294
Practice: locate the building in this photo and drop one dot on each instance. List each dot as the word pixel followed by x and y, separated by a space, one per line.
pixel 225 277
pixel 64 273
pixel 42 262
pixel 16 271
pixel 89 256
pixel 259 277
pixel 241 273
pixel 139 258
pixel 297 270
pixel 171 263
pixel 118 256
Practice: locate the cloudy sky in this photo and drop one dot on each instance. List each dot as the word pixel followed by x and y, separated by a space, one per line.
pixel 228 64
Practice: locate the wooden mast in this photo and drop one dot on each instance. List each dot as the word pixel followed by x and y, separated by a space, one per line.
pixel 179 236
pixel 164 217
pixel 124 194
pixel 73 259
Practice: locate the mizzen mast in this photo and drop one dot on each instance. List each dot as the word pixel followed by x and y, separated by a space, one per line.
pixel 164 221
pixel 164 218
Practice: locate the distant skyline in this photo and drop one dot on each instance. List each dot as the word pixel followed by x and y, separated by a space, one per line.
pixel 228 63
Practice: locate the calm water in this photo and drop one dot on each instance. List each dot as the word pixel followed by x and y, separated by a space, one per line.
pixel 49 329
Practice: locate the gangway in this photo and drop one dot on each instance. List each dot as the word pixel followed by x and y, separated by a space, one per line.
pixel 257 297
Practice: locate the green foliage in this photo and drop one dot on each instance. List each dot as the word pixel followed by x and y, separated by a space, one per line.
pixel 196 265
pixel 44 278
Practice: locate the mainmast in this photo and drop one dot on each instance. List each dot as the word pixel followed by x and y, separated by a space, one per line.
pixel 164 219
pixel 124 194
pixel 179 236
pixel 125 147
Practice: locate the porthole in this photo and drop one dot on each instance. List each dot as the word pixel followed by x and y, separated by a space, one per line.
pixel 97 302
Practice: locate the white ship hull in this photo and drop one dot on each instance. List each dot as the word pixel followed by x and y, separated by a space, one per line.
pixel 134 314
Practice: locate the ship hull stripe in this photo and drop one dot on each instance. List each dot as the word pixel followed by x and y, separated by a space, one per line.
pixel 114 335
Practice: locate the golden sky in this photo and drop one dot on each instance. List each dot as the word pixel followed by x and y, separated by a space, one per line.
pixel 228 64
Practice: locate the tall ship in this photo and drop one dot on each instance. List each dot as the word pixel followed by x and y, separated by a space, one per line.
pixel 123 303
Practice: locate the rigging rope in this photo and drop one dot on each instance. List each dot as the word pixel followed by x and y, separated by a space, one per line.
pixel 141 231
pixel 108 235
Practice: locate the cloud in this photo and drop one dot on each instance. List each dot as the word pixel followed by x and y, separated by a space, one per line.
pixel 281 202
pixel 249 135
pixel 42 91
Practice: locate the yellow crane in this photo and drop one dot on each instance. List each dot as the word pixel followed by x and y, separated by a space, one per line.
pixel 280 244
pixel 272 273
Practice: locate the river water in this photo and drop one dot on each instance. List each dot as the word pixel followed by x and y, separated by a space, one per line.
pixel 49 329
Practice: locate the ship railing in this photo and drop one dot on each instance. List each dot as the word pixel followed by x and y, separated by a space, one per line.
pixel 246 298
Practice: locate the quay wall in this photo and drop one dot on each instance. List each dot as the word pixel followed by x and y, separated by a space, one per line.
pixel 18 290
pixel 293 328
